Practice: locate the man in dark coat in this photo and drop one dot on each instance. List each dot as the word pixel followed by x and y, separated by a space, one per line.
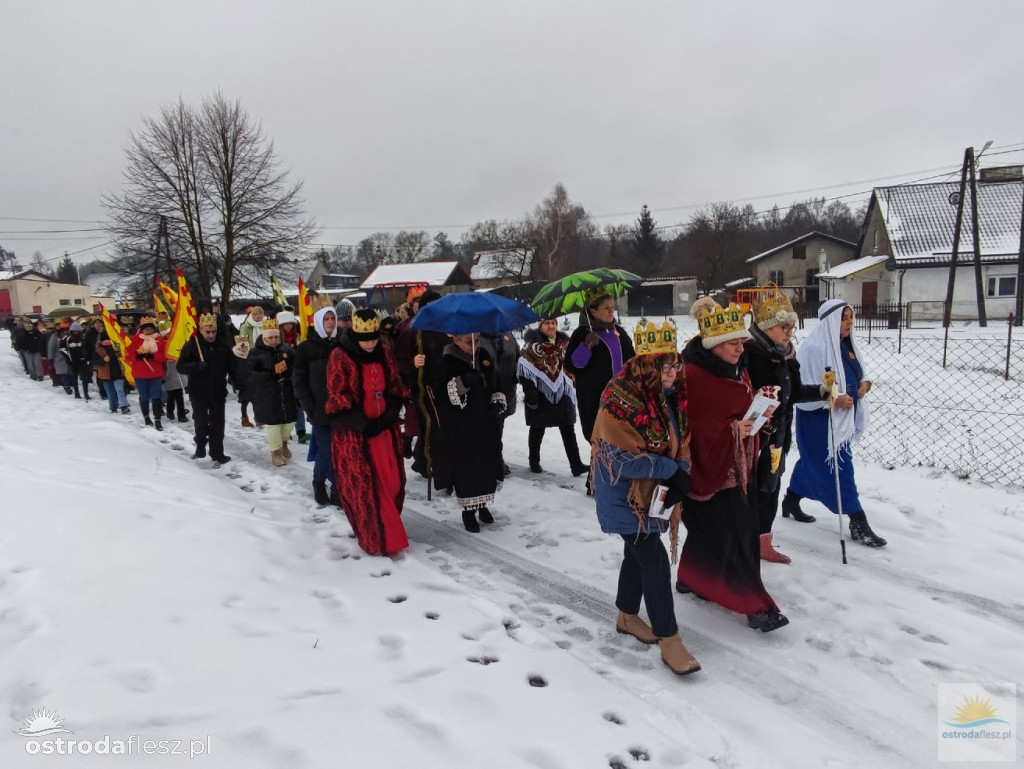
pixel 309 379
pixel 208 361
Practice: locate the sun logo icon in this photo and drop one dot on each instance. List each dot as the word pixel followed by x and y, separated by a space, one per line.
pixel 41 723
pixel 975 711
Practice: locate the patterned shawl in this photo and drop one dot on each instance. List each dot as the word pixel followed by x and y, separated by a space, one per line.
pixel 542 364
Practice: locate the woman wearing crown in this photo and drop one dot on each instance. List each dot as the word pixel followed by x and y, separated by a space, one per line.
pixel 721 556
pixel 771 362
pixel 364 398
pixel 640 441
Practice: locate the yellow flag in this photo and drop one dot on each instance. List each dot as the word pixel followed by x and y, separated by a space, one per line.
pixel 158 306
pixel 118 340
pixel 305 310
pixel 169 296
pixel 184 326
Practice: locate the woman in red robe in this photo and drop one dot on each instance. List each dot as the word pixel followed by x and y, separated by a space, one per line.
pixel 364 397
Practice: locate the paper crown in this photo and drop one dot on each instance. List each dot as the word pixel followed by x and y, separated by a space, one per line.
pixel 207 319
pixel 147 319
pixel 270 324
pixel 772 308
pixel 648 339
pixel 719 324
pixel 596 294
pixel 320 301
pixel 365 325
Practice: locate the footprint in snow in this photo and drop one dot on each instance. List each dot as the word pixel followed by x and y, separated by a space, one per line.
pixel 537 681
pixel 384 573
pixel 394 598
pixel 616 763
pixel 640 754
pixel 432 615
pixel 613 718
pixel 247 487
pixel 933 639
pixel 935 665
pixel 483 659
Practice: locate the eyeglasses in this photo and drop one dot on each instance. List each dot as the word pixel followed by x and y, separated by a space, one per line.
pixel 787 328
pixel 668 368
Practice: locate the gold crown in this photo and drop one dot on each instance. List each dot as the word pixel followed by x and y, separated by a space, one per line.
pixel 270 324
pixel 146 319
pixel 772 307
pixel 650 340
pixel 721 323
pixel 370 326
pixel 320 301
pixel 207 319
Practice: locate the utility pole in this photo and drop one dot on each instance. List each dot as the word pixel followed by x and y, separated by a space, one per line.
pixel 1018 316
pixel 947 310
pixel 979 287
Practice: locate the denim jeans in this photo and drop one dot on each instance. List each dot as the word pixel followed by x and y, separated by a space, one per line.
pixel 150 388
pixel 645 573
pixel 300 421
pixel 115 393
pixel 323 469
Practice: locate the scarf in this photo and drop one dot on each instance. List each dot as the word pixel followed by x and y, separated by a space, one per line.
pixel 821 349
pixel 634 419
pixel 541 363
pixel 694 352
pixel 765 342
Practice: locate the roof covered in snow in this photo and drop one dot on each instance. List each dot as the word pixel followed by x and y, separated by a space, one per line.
pixel 808 236
pixel 109 283
pixel 921 218
pixel 851 269
pixel 491 265
pixel 430 273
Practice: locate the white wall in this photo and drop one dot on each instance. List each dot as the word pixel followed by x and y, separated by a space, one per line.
pixel 929 285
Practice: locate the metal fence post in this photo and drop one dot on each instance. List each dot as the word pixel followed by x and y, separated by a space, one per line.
pixel 1009 345
pixel 945 345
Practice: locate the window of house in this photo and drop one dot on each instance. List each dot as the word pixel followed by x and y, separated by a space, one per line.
pixel 777 277
pixel 65 302
pixel 37 309
pixel 811 278
pixel 1002 286
pixel 874 246
pixel 78 301
pixel 800 252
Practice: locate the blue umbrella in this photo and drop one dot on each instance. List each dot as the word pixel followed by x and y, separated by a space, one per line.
pixel 473 312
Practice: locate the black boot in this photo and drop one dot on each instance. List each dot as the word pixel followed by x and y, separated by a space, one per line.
pixel 860 531
pixel 767 621
pixel 407 447
pixel 469 521
pixel 572 452
pixel 144 407
pixel 485 515
pixel 534 439
pixel 320 495
pixel 158 412
pixel 791 509
pixel 200 453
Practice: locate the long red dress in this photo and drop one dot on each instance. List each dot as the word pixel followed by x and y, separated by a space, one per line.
pixel 369 473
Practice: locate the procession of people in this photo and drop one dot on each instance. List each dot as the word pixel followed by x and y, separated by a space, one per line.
pixel 674 444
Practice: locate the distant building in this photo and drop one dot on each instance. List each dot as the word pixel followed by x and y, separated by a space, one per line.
pixel 795 266
pixel 34 293
pixel 670 296
pixel 388 284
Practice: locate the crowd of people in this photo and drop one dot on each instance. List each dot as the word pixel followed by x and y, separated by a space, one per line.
pixel 672 440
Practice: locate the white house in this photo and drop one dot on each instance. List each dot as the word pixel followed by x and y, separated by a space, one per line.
pixel 914 224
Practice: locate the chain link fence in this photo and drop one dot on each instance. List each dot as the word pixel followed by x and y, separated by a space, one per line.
pixel 951 399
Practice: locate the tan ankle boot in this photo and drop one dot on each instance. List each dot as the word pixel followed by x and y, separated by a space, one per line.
pixel 768 551
pixel 285 451
pixel 277 458
pixel 632 624
pixel 675 655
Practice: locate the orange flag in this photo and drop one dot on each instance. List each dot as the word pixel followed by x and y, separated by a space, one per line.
pixel 169 296
pixel 118 340
pixel 184 326
pixel 305 310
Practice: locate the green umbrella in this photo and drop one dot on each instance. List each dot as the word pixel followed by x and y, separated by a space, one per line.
pixel 570 293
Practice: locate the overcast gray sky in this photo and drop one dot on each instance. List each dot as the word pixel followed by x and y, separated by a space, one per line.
pixel 435 114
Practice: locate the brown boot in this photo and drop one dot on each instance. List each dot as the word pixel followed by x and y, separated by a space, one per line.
pixel 285 451
pixel 632 624
pixel 674 654
pixel 768 551
pixel 245 421
pixel 277 458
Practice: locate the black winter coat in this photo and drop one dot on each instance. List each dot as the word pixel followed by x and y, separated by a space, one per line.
pixel 309 376
pixel 595 376
pixel 271 394
pixel 503 349
pixel 34 341
pixel 207 376
pixel 540 412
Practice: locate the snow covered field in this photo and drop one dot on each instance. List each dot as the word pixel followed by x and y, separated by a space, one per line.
pixel 146 594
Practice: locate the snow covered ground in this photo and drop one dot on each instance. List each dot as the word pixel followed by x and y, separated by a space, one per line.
pixel 146 594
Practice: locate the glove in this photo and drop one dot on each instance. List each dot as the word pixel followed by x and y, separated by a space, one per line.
pixel 471 379
pixel 497 408
pixel 678 486
pixel 591 340
pixel 200 365
pixel 144 355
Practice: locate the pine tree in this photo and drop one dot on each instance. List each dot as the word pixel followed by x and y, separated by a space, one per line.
pixel 66 271
pixel 648 246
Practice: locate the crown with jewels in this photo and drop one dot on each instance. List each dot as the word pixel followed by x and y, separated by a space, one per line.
pixel 367 326
pixel 271 324
pixel 147 319
pixel 771 307
pixel 720 324
pixel 207 319
pixel 649 339
pixel 320 301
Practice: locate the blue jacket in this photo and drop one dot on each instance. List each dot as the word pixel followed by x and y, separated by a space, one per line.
pixel 613 510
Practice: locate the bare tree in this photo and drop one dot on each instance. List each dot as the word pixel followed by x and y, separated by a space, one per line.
pixel 558 225
pixel 410 246
pixel 718 240
pixel 509 247
pixel 9 262
pixel 39 264
pixel 214 178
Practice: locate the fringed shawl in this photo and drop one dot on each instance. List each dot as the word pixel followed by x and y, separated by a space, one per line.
pixel 633 420
pixel 542 364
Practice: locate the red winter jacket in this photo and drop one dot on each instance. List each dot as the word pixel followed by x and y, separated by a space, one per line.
pixel 149 367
